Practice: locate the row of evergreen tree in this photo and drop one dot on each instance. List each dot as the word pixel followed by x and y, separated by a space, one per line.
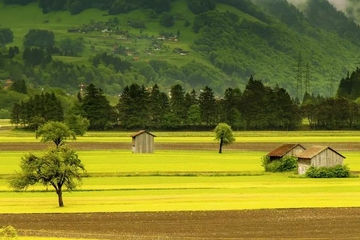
pixel 258 107
pixel 37 110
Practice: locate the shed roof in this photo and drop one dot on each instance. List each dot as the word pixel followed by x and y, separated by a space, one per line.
pixel 316 150
pixel 283 149
pixel 141 132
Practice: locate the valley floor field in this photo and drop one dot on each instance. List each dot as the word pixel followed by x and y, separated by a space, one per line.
pixel 186 190
pixel 248 146
pixel 309 223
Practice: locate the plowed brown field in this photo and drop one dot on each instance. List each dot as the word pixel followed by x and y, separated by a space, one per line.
pixel 327 223
pixel 247 146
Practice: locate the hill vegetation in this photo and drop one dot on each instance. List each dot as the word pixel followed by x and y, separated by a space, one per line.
pixel 194 43
pixel 199 45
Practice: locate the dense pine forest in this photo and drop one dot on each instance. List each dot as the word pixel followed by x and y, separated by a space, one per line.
pixel 180 64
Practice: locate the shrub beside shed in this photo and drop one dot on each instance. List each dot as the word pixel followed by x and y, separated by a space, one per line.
pixel 318 156
pixel 143 142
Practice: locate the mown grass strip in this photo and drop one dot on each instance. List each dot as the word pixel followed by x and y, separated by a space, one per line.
pixel 192 193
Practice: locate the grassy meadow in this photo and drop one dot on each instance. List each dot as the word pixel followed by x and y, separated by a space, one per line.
pixel 59 22
pixel 177 180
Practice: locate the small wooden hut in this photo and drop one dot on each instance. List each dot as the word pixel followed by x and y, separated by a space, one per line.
pixel 285 150
pixel 318 156
pixel 143 142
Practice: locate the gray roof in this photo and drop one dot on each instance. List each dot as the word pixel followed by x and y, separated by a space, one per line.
pixel 141 132
pixel 315 150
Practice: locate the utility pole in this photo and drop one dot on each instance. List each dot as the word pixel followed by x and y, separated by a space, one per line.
pixel 299 81
pixel 307 78
pixel 331 87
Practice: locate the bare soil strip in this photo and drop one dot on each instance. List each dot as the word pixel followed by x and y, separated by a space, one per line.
pixel 244 146
pixel 317 223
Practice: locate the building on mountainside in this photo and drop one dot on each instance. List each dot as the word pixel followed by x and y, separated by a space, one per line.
pixel 318 156
pixel 143 142
pixel 286 150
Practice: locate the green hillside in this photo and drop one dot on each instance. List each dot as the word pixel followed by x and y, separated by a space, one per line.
pixel 60 22
pixel 220 48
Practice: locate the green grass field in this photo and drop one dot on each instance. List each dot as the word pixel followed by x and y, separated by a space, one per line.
pixel 60 21
pixel 109 163
pixel 175 180
pixel 113 194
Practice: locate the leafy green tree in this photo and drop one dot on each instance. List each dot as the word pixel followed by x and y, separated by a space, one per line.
pixel 53 109
pixel 39 38
pixel 158 106
pixel 7 35
pixel 224 135
pixel 120 6
pixel 77 124
pixel 349 86
pixel 16 69
pixel 55 5
pixel 71 47
pixel 287 113
pixel 200 6
pixel 76 7
pixel 253 102
pixel 19 86
pixel 133 107
pixel 191 99
pixel 158 5
pixel 235 118
pixel 5 114
pixel 177 103
pixel 231 103
pixel 115 61
pixel 194 115
pixel 58 167
pixel 207 105
pixel 97 109
pixel 56 132
pixel 167 20
pixel 45 105
pixel 34 56
pixel 36 122
pixel 13 51
pixel 20 2
pixel 170 121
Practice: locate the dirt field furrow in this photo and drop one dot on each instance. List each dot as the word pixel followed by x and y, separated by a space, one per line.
pixel 320 223
pixel 244 146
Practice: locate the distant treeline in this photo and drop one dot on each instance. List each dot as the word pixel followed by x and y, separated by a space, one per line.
pixel 114 6
pixel 258 107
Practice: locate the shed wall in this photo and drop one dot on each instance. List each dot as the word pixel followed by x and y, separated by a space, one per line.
pixel 327 158
pixel 294 152
pixel 303 165
pixel 144 143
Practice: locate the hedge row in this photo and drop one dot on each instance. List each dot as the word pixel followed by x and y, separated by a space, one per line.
pixel 338 171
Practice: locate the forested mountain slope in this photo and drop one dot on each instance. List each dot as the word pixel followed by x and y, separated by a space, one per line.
pixel 195 43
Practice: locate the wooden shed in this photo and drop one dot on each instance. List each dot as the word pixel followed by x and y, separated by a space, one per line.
pixel 143 142
pixel 318 156
pixel 286 150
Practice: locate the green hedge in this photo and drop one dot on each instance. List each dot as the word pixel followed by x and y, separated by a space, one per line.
pixel 338 171
pixel 284 164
